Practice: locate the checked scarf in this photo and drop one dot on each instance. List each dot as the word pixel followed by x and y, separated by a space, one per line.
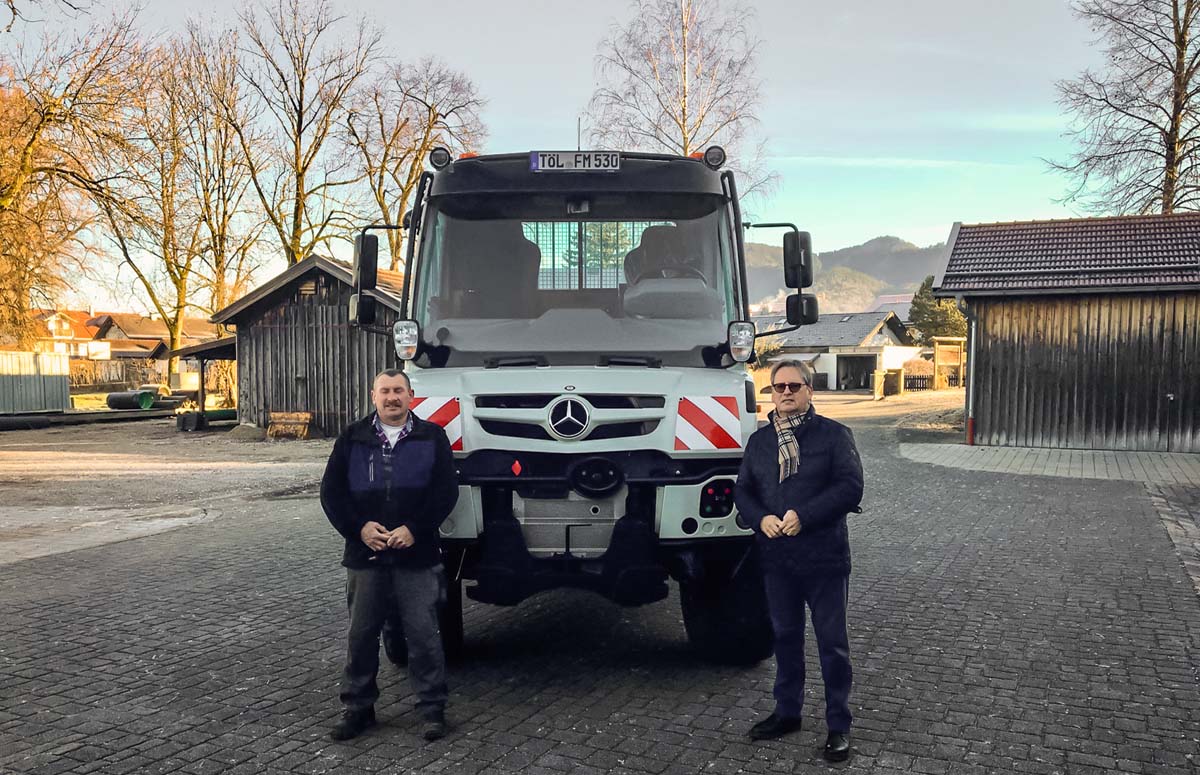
pixel 789 449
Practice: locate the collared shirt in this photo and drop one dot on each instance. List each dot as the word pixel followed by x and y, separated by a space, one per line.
pixel 388 435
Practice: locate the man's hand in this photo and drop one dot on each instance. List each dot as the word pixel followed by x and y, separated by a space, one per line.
pixel 400 538
pixel 791 523
pixel 772 526
pixel 374 536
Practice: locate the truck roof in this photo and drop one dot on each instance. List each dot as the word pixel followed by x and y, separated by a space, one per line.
pixel 640 173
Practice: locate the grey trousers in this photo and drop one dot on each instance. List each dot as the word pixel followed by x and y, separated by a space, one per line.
pixel 417 593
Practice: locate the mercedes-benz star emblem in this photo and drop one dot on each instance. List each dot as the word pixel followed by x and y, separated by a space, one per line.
pixel 569 418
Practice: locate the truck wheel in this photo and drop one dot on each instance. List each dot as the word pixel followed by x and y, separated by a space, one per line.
pixel 728 623
pixel 451 622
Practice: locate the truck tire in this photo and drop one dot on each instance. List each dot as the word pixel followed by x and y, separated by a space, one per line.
pixel 728 622
pixel 451 621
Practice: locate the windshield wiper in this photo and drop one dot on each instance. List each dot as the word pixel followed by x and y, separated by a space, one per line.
pixel 497 361
pixel 630 360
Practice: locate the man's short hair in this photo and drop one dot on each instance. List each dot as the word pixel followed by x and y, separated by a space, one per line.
pixel 392 373
pixel 805 370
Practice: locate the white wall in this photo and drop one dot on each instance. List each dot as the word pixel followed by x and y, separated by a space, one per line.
pixel 895 357
pixel 826 363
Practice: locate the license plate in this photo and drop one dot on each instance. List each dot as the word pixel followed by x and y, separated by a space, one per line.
pixel 574 161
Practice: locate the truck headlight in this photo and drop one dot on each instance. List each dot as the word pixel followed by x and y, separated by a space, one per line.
pixel 741 340
pixel 407 336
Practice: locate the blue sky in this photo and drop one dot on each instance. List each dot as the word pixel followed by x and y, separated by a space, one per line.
pixel 882 118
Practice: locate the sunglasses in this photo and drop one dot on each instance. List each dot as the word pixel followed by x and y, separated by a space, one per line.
pixel 783 387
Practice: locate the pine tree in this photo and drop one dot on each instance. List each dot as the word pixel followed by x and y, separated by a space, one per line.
pixel 935 317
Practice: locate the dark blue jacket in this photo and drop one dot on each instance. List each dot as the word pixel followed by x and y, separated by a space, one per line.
pixel 827 487
pixel 415 486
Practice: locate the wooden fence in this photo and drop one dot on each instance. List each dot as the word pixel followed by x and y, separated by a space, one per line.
pixel 34 382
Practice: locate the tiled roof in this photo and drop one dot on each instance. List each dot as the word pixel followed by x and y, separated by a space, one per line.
pixel 834 329
pixel 137 326
pixel 1125 253
pixel 77 318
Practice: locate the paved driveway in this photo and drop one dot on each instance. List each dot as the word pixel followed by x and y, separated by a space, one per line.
pixel 1000 623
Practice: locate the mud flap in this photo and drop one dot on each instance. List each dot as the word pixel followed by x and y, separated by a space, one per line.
pixel 631 568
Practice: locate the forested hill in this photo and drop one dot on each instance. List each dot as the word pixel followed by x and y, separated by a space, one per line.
pixel 848 279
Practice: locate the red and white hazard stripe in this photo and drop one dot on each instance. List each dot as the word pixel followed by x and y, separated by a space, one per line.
pixel 444 411
pixel 708 422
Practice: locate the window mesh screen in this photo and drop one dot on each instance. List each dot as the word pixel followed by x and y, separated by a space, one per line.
pixel 602 245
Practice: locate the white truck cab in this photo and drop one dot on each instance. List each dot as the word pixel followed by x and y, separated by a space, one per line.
pixel 578 323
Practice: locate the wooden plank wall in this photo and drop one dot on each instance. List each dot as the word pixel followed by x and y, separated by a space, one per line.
pixel 1089 372
pixel 34 382
pixel 301 355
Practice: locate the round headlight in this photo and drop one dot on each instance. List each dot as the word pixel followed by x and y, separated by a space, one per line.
pixel 407 336
pixel 741 340
pixel 715 157
pixel 439 157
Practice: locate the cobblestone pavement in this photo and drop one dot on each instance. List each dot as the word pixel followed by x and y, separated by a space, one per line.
pixel 1155 467
pixel 1000 623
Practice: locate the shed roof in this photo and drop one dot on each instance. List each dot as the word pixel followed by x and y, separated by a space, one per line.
pixel 391 285
pixel 848 329
pixel 223 349
pixel 1076 255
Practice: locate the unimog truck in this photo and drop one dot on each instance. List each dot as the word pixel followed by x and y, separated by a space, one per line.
pixel 578 323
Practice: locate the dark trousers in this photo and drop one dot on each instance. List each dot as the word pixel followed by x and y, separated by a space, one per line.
pixel 826 598
pixel 414 593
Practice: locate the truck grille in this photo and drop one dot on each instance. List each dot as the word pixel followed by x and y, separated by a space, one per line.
pixel 515 401
pixel 496 424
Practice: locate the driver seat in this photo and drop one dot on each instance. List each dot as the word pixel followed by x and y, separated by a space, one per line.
pixel 659 248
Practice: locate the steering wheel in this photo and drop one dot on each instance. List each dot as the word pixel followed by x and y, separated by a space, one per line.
pixel 661 271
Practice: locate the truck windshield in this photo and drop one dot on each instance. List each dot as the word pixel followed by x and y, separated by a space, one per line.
pixel 655 282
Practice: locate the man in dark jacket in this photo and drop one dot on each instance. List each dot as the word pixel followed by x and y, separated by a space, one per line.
pixel 389 484
pixel 800 476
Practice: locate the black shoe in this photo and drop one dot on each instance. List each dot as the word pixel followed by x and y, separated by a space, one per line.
pixel 774 726
pixel 837 747
pixel 353 723
pixel 434 727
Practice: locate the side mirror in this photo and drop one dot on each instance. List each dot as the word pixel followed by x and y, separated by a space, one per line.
pixel 797 259
pixel 366 262
pixel 802 309
pixel 366 274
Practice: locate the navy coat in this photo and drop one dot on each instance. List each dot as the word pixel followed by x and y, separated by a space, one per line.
pixel 828 486
pixel 416 487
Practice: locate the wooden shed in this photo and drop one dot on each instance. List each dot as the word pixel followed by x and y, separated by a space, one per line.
pixel 1083 333
pixel 296 349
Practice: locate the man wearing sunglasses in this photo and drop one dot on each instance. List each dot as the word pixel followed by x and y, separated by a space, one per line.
pixel 800 477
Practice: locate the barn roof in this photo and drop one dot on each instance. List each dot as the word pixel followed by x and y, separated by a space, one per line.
pixel 389 290
pixel 1076 255
pixel 834 329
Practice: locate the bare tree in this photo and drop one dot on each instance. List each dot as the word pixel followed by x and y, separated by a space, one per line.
pixel 298 78
pixel 16 9
pixel 680 76
pixel 59 103
pixel 154 217
pixel 397 120
pixel 219 171
pixel 38 246
pixel 75 88
pixel 1136 123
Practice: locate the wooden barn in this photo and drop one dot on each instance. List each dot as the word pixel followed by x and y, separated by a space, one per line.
pixel 1083 333
pixel 296 349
